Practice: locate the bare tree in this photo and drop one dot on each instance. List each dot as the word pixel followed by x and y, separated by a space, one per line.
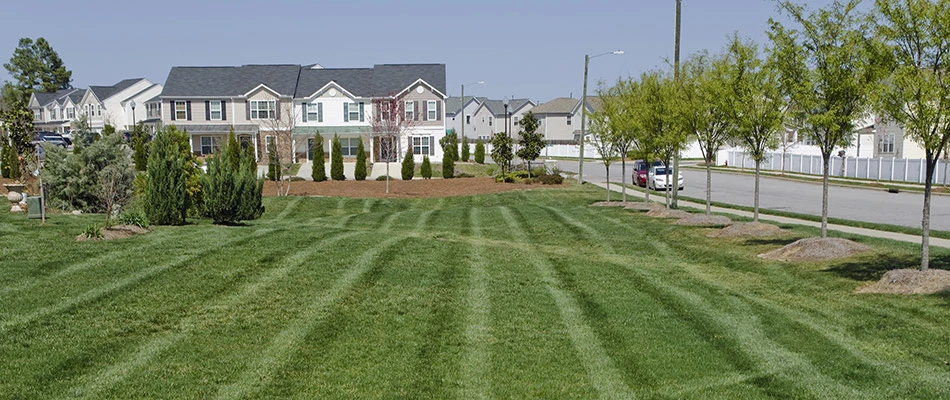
pixel 282 125
pixel 389 122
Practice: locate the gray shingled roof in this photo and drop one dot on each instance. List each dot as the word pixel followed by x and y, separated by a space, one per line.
pixel 379 81
pixel 358 81
pixel 230 81
pixel 46 98
pixel 392 78
pixel 105 92
pixel 561 105
pixel 497 107
pixel 454 104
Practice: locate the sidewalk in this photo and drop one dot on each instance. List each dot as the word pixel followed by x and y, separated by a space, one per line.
pixel 902 237
pixel 832 179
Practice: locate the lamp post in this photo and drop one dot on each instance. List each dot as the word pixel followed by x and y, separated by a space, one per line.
pixel 580 156
pixel 132 104
pixel 464 121
pixel 507 128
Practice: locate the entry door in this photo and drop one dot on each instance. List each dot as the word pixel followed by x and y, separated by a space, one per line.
pixel 310 149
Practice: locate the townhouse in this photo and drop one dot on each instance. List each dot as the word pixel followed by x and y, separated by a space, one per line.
pixel 287 105
pixel 101 105
pixel 484 117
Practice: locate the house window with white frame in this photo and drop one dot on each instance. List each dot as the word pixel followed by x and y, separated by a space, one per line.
pixel 349 146
pixel 209 145
pixel 885 142
pixel 432 115
pixel 181 110
pixel 421 145
pixel 313 111
pixel 263 109
pixel 410 110
pixel 516 120
pixel 353 111
pixel 490 120
pixel 85 109
pixel 70 112
pixel 98 110
pixel 468 120
pixel 569 117
pixel 214 110
pixel 38 115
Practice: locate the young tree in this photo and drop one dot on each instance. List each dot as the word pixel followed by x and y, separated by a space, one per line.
pixel 659 118
pixel 408 165
pixel 916 94
pixel 389 123
pixel 140 143
pixel 360 172
pixel 532 141
pixel 619 105
pixel 449 147
pixel 36 67
pixel 17 123
pixel 166 198
pixel 232 191
pixel 479 151
pixel 465 150
pixel 600 138
pixel 828 70
pixel 336 160
pixel 319 171
pixel 426 169
pixel 282 126
pixel 501 151
pixel 95 180
pixel 706 104
pixel 758 108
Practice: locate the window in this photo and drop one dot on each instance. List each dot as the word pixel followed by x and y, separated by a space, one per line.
pixel 421 145
pixel 315 112
pixel 353 112
pixel 431 114
pixel 214 112
pixel 85 109
pixel 468 120
pixel 269 143
pixel 348 146
pixel 98 110
pixel 885 143
pixel 38 115
pixel 410 110
pixel 154 110
pixel 490 120
pixel 569 119
pixel 181 110
pixel 208 145
pixel 70 113
pixel 263 109
pixel 516 120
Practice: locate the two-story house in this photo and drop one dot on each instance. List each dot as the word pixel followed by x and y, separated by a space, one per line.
pixel 54 112
pixel 58 112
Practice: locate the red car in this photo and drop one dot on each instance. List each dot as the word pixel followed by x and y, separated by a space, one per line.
pixel 640 170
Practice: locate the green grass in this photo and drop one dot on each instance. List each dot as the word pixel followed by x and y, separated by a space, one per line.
pixel 520 294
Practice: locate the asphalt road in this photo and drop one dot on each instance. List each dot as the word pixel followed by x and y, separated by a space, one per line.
pixel 800 197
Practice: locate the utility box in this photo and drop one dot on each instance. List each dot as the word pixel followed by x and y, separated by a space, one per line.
pixel 34 207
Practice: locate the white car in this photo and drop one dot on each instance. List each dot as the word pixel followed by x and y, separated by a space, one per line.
pixel 656 179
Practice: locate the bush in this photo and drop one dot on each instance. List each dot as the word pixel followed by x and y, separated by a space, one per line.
pixel 408 165
pixel 232 192
pixel 479 151
pixel 426 169
pixel 166 198
pixel 551 179
pixel 464 175
pixel 94 180
pixel 319 172
pixel 384 177
pixel 134 218
pixel 449 149
pixel 539 171
pixel 360 173
pixel 336 160
pixel 93 232
pixel 465 150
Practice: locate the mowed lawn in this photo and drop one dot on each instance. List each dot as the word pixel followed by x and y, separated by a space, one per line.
pixel 519 294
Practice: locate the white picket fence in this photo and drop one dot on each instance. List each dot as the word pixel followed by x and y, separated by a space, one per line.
pixel 883 169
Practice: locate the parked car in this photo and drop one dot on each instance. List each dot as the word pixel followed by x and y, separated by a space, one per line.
pixel 51 137
pixel 656 179
pixel 640 171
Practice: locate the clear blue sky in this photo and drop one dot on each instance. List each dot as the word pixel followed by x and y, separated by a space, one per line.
pixel 532 49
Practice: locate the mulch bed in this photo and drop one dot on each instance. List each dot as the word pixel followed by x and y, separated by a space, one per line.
pixel 401 189
pixel 667 213
pixel 704 220
pixel 116 232
pixel 749 230
pixel 816 249
pixel 910 281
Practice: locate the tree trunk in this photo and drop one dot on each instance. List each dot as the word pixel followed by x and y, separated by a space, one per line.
pixel 669 195
pixel 387 175
pixel 755 196
pixel 623 178
pixel 925 221
pixel 826 160
pixel 608 182
pixel 708 187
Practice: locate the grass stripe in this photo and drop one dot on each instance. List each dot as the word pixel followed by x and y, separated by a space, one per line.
pixel 290 207
pixel 115 286
pixel 261 370
pixel 600 368
pixel 117 372
pixel 476 359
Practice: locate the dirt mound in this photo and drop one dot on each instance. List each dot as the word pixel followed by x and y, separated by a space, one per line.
pixel 403 189
pixel 640 206
pixel 705 220
pixel 609 204
pixel 909 281
pixel 666 213
pixel 749 229
pixel 816 249
pixel 116 232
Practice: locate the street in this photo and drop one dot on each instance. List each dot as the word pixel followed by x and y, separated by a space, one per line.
pixel 849 203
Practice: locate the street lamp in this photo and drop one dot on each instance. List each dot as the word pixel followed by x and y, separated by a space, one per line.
pixel 580 156
pixel 464 121
pixel 132 104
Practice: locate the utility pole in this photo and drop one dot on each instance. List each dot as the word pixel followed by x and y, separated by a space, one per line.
pixel 676 78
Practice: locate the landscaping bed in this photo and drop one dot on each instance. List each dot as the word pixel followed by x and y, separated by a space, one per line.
pixel 399 188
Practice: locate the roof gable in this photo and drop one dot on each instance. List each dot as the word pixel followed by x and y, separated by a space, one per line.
pixel 230 81
pixel 105 92
pixel 561 105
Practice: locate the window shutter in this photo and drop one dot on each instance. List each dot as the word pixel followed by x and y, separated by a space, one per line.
pixel 188 109
pixel 171 107
pixel 320 112
pixel 303 108
pixel 415 110
pixel 346 112
pixel 277 109
pixel 207 110
pixel 224 113
pixel 361 111
pixel 247 108
pixel 431 145
pixel 438 110
pixel 425 110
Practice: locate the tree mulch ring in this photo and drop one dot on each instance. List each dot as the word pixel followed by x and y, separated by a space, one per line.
pixel 909 281
pixel 749 229
pixel 641 206
pixel 610 204
pixel 400 188
pixel 704 220
pixel 116 232
pixel 816 249
pixel 667 213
